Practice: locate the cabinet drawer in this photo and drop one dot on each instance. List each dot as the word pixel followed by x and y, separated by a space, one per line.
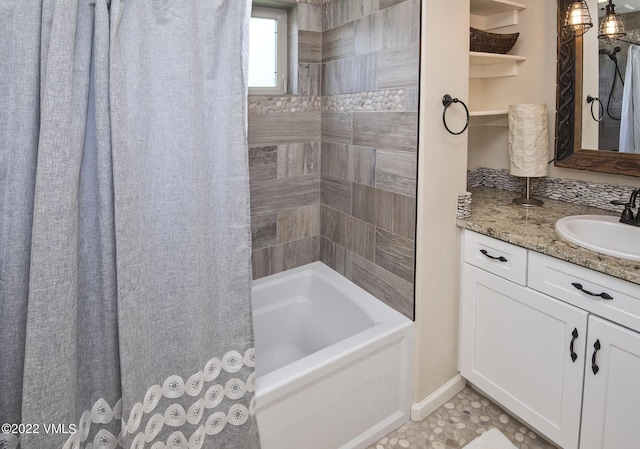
pixel 495 256
pixel 603 295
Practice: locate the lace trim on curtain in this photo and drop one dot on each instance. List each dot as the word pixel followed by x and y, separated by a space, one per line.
pixel 9 441
pixel 174 415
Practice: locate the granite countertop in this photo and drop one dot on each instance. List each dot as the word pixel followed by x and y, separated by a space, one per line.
pixel 493 214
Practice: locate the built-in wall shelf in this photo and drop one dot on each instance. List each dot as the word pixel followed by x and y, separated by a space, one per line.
pixel 489 14
pixel 492 65
pixel 488 113
pixel 498 117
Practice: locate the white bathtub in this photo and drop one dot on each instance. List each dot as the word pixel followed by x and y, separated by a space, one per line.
pixel 333 363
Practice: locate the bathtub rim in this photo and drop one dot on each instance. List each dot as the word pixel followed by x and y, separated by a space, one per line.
pixel 389 327
pixel 375 308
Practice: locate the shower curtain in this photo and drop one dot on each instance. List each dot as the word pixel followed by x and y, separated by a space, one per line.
pixel 125 314
pixel 630 119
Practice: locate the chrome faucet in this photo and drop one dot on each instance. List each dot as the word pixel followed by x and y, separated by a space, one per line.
pixel 627 214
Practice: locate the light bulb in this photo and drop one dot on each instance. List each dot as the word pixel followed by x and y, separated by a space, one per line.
pixel 576 15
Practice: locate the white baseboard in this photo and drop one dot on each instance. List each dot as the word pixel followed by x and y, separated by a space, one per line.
pixel 435 400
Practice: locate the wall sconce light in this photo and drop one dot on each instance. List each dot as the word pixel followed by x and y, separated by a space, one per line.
pixel 611 27
pixel 578 18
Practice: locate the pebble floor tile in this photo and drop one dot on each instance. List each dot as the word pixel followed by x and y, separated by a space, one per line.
pixel 465 417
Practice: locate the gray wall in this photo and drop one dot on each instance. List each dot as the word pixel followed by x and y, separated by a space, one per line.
pixel 338 183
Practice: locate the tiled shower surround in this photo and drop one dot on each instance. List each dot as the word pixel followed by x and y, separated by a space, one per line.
pixel 333 168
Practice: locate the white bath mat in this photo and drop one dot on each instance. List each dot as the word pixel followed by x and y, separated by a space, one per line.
pixel 491 439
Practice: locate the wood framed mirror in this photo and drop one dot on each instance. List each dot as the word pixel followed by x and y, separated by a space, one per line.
pixel 570 99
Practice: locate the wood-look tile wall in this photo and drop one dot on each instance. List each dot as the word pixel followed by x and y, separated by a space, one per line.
pixel 338 184
pixel 285 206
pixel 284 154
pixel 369 145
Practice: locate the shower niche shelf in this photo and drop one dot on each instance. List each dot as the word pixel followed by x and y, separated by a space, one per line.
pixel 492 65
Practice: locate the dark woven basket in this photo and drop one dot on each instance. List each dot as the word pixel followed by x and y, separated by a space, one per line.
pixel 486 42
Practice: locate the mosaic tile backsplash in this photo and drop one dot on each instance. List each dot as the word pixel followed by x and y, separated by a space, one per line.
pixel 561 189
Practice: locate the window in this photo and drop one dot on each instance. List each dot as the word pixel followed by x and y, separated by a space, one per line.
pixel 268 51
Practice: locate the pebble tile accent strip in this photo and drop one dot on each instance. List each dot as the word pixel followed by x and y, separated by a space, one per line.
pixel 396 100
pixel 384 100
pixel 317 2
pixel 458 422
pixel 568 190
pixel 291 103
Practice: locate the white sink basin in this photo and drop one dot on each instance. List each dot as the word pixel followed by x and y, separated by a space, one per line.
pixel 601 233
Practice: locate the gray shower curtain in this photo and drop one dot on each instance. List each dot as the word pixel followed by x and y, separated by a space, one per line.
pixel 125 314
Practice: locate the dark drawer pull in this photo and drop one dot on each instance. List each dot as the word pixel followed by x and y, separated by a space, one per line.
pixel 596 347
pixel 501 259
pixel 574 335
pixel 602 295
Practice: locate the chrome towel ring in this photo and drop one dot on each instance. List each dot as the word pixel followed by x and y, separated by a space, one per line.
pixel 447 100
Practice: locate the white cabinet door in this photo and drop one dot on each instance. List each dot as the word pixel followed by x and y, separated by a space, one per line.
pixel 515 345
pixel 610 416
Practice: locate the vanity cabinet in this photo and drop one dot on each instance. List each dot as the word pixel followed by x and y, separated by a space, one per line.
pixel 527 337
pixel 514 342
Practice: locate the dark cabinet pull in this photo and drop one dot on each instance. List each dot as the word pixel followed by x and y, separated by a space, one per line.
pixel 596 348
pixel 602 295
pixel 501 259
pixel 574 335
